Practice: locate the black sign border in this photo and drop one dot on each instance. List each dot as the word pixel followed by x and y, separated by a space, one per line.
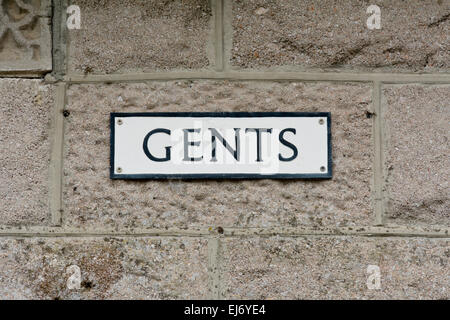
pixel 115 176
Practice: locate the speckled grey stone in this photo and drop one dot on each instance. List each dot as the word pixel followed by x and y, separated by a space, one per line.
pixel 25 112
pixel 91 199
pixel 335 268
pixel 121 36
pixel 328 34
pixel 111 268
pixel 417 155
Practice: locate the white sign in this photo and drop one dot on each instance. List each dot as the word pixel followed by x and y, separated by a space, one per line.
pixel 220 145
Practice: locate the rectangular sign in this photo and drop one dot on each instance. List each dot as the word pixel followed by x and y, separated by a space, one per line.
pixel 221 145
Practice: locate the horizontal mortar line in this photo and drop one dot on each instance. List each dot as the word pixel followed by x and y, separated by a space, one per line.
pixel 88 234
pixel 247 75
pixel 26 76
pixel 74 231
pixel 362 231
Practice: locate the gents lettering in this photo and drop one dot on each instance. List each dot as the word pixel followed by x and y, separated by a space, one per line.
pixel 215 134
pixel 147 151
pixel 188 143
pixel 258 140
pixel 288 144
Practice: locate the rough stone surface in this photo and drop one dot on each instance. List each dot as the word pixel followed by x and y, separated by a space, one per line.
pixel 111 268
pixel 328 34
pixel 417 156
pixel 92 199
pixel 25 39
pixel 335 268
pixel 25 108
pixel 118 36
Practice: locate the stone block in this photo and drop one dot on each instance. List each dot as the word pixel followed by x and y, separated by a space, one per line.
pixel 110 268
pixel 25 136
pixel 330 35
pixel 141 36
pixel 91 199
pixel 25 37
pixel 417 165
pixel 335 268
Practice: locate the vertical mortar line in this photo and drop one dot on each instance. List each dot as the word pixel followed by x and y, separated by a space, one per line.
pixel 218 43
pixel 227 33
pixel 378 155
pixel 65 34
pixel 214 270
pixel 55 35
pixel 58 38
pixel 56 157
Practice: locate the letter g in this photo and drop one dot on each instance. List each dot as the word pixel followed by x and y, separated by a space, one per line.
pixel 147 151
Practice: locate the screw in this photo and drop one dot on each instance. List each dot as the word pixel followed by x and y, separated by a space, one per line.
pixel 119 170
pixel 321 121
pixel 119 122
pixel 323 169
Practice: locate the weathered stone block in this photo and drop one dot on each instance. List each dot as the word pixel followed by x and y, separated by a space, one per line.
pixel 91 199
pixel 330 35
pixel 141 36
pixel 25 109
pixel 335 268
pixel 417 121
pixel 111 268
pixel 25 39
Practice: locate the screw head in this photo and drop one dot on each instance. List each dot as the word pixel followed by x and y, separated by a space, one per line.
pixel 119 122
pixel 323 169
pixel 321 121
pixel 119 169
